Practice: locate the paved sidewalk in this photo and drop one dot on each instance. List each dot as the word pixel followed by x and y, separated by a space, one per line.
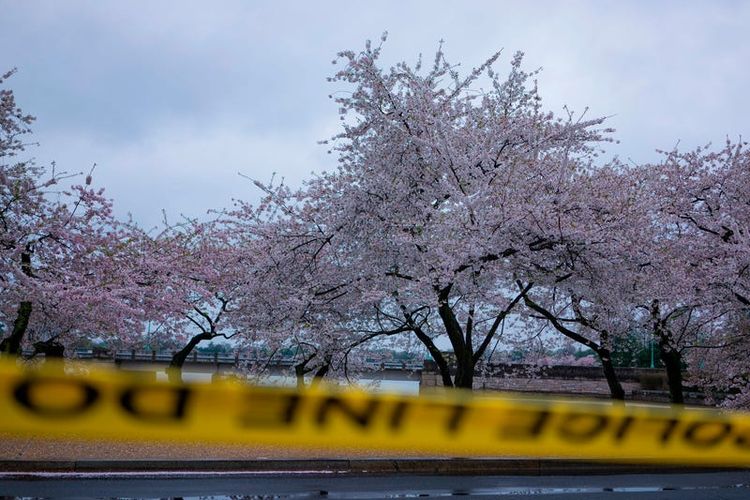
pixel 29 456
pixel 15 448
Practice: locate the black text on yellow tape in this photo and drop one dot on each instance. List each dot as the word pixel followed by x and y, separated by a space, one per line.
pixel 96 403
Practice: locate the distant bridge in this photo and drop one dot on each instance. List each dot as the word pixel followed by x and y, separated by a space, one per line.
pixel 646 384
pixel 216 362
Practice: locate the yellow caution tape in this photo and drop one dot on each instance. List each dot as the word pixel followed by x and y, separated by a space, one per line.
pixel 93 402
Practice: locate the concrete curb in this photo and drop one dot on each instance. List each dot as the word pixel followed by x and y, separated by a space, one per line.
pixel 456 466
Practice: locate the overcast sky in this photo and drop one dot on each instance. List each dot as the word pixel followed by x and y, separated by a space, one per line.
pixel 171 99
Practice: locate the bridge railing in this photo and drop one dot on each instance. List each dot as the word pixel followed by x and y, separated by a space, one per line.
pixel 235 358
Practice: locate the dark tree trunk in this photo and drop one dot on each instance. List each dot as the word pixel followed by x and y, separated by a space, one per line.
pixel 322 371
pixel 615 388
pixel 461 346
pixel 437 356
pixel 670 356
pixel 605 356
pixel 465 364
pixel 50 348
pixel 12 343
pixel 299 372
pixel 464 374
pixel 673 363
pixel 174 370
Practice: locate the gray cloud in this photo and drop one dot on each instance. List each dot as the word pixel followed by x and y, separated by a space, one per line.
pixel 171 99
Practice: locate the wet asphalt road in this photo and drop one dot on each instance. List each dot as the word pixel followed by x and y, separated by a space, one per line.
pixel 716 485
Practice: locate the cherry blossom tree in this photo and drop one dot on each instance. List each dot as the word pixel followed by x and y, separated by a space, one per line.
pixel 581 288
pixel 20 200
pixel 61 252
pixel 631 265
pixel 708 191
pixel 705 197
pixel 294 300
pixel 199 272
pixel 429 219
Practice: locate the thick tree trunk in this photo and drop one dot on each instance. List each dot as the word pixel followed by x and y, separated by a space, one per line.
pixel 673 363
pixel 299 373
pixel 12 343
pixel 174 370
pixel 464 374
pixel 465 366
pixel 615 388
pixel 671 357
